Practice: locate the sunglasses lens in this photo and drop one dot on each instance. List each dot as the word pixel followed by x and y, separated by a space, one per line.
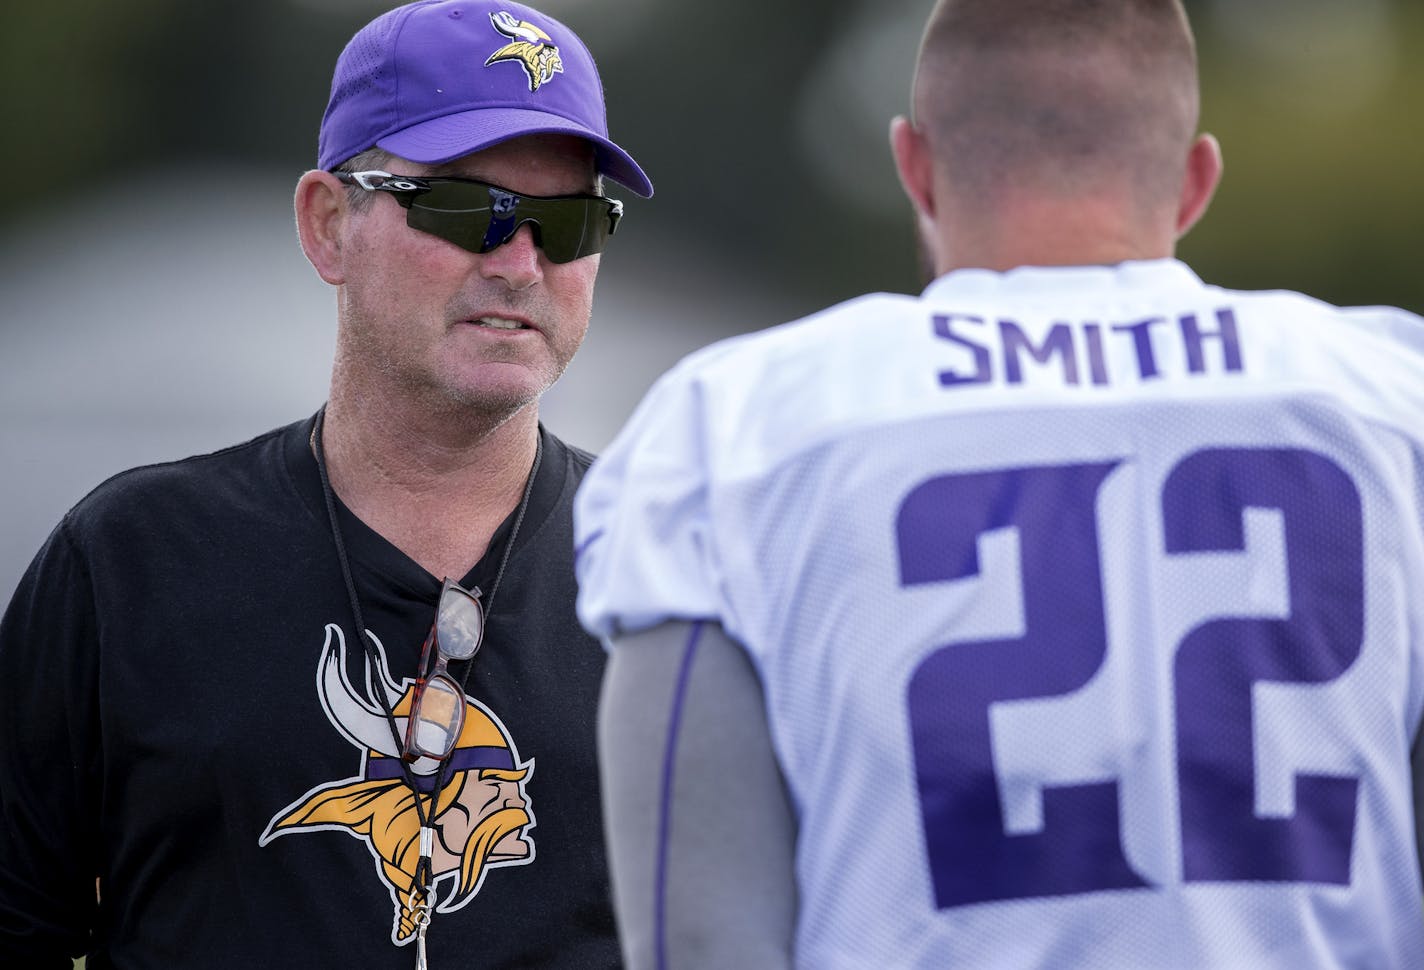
pixel 460 624
pixel 436 721
pixel 479 218
pixel 456 212
pixel 569 228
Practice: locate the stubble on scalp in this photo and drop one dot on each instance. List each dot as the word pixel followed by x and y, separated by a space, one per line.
pixel 1058 96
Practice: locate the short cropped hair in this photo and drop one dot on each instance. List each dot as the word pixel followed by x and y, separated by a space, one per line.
pixel 1058 94
pixel 372 159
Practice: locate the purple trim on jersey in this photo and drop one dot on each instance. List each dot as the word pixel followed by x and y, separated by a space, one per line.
pixel 463 759
pixel 679 699
pixel 583 546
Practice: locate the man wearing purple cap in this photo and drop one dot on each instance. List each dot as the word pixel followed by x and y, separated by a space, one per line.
pixel 321 699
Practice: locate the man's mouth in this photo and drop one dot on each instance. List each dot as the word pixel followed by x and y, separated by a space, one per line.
pixel 500 323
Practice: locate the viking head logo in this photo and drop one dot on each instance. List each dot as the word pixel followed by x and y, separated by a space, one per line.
pixel 481 815
pixel 529 46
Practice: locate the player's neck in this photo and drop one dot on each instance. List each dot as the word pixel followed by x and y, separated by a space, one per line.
pixel 1040 231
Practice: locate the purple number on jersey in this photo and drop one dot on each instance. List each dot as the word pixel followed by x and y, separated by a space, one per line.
pixel 1216 663
pixel 972 859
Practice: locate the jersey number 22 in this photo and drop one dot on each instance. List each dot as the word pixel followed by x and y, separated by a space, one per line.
pixel 1079 847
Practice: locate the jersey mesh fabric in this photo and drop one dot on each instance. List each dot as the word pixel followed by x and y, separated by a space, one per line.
pixel 1086 602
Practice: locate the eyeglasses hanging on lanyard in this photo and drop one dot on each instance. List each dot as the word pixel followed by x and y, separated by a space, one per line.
pixel 437 708
pixel 437 713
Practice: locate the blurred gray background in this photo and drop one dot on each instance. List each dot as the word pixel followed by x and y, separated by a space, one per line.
pixel 154 302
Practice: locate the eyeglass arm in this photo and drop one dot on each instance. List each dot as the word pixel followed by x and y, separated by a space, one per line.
pixel 378 181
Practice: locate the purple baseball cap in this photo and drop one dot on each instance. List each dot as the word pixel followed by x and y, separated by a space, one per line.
pixel 433 80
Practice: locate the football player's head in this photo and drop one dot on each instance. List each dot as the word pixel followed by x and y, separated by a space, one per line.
pixel 1088 109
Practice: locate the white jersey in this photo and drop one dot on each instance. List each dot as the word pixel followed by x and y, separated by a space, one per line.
pixel 1088 604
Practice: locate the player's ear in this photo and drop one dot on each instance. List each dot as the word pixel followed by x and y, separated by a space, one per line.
pixel 321 210
pixel 1199 184
pixel 914 164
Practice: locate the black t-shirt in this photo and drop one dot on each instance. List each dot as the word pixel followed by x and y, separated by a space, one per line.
pixel 181 706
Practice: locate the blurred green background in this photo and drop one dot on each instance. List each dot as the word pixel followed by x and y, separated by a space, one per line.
pixel 763 124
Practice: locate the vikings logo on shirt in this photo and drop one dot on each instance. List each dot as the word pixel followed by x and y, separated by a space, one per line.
pixel 481 815
pixel 533 49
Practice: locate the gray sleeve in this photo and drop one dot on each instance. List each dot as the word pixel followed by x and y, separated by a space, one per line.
pixel 701 832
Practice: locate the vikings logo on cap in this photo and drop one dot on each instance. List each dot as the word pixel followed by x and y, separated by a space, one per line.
pixel 532 49
pixel 481 814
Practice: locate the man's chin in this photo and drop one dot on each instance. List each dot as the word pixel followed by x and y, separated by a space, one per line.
pixel 498 387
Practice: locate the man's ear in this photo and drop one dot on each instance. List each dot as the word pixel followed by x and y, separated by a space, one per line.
pixel 1199 184
pixel 321 211
pixel 914 165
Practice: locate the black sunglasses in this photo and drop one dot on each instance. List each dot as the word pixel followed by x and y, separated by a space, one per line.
pixel 479 216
